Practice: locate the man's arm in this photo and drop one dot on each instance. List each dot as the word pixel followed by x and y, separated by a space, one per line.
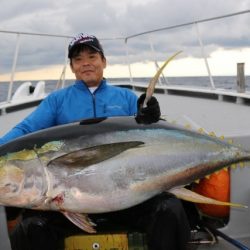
pixel 42 117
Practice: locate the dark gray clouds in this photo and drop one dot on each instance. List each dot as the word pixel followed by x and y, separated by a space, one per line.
pixel 107 18
pixel 113 18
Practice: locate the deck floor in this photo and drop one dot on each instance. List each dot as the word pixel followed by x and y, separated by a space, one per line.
pixel 223 118
pixel 228 119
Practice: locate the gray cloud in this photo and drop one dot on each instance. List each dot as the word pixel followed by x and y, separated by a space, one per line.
pixel 112 18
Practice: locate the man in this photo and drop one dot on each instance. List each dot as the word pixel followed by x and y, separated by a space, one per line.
pixel 92 97
pixel 89 97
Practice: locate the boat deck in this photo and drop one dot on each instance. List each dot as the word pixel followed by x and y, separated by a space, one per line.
pixel 225 118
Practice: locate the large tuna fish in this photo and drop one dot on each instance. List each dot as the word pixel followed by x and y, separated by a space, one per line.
pixel 106 165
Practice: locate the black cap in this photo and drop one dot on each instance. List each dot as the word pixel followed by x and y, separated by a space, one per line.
pixel 87 40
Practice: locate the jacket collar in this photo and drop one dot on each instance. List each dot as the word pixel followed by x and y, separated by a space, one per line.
pixel 82 85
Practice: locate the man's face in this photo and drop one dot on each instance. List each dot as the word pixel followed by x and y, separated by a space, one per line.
pixel 88 66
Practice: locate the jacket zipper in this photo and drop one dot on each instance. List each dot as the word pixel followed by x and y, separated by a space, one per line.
pixel 94 107
pixel 93 98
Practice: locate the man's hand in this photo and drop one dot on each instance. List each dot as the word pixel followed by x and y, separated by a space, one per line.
pixel 149 114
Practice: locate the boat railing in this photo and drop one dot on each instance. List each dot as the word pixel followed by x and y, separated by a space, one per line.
pixel 129 43
pixel 17 48
pixel 198 34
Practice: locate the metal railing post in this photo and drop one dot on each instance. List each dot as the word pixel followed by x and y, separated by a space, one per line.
pixel 65 62
pixel 204 55
pixel 155 61
pixel 61 82
pixel 128 61
pixel 13 68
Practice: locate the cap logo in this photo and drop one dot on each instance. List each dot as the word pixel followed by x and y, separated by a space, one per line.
pixel 87 40
pixel 81 38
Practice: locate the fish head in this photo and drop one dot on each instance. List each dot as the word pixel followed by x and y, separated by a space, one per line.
pixel 22 179
pixel 11 179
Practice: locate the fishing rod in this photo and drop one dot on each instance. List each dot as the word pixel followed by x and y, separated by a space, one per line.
pixel 234 242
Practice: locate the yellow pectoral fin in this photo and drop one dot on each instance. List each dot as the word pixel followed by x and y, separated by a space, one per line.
pixel 188 195
pixel 153 81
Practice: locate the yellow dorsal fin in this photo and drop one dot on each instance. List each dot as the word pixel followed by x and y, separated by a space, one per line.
pixel 212 134
pixel 242 164
pixel 233 166
pixel 201 130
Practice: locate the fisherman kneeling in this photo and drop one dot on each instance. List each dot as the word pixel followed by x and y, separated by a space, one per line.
pixel 162 218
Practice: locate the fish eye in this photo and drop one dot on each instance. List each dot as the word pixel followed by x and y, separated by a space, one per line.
pixel 12 187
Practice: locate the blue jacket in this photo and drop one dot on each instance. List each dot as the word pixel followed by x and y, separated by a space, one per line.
pixel 74 103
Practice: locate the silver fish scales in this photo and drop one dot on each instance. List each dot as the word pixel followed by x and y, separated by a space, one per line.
pixel 104 165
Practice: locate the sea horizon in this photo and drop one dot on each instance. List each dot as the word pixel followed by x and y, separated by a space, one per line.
pixel 226 82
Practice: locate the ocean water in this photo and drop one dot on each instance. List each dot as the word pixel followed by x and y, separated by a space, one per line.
pixel 226 82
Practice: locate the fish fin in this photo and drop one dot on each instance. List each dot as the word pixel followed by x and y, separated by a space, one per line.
pixel 152 83
pixel 93 155
pixel 188 195
pixel 80 220
pixel 92 121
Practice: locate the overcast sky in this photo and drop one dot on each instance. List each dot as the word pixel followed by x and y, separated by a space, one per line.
pixel 119 18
